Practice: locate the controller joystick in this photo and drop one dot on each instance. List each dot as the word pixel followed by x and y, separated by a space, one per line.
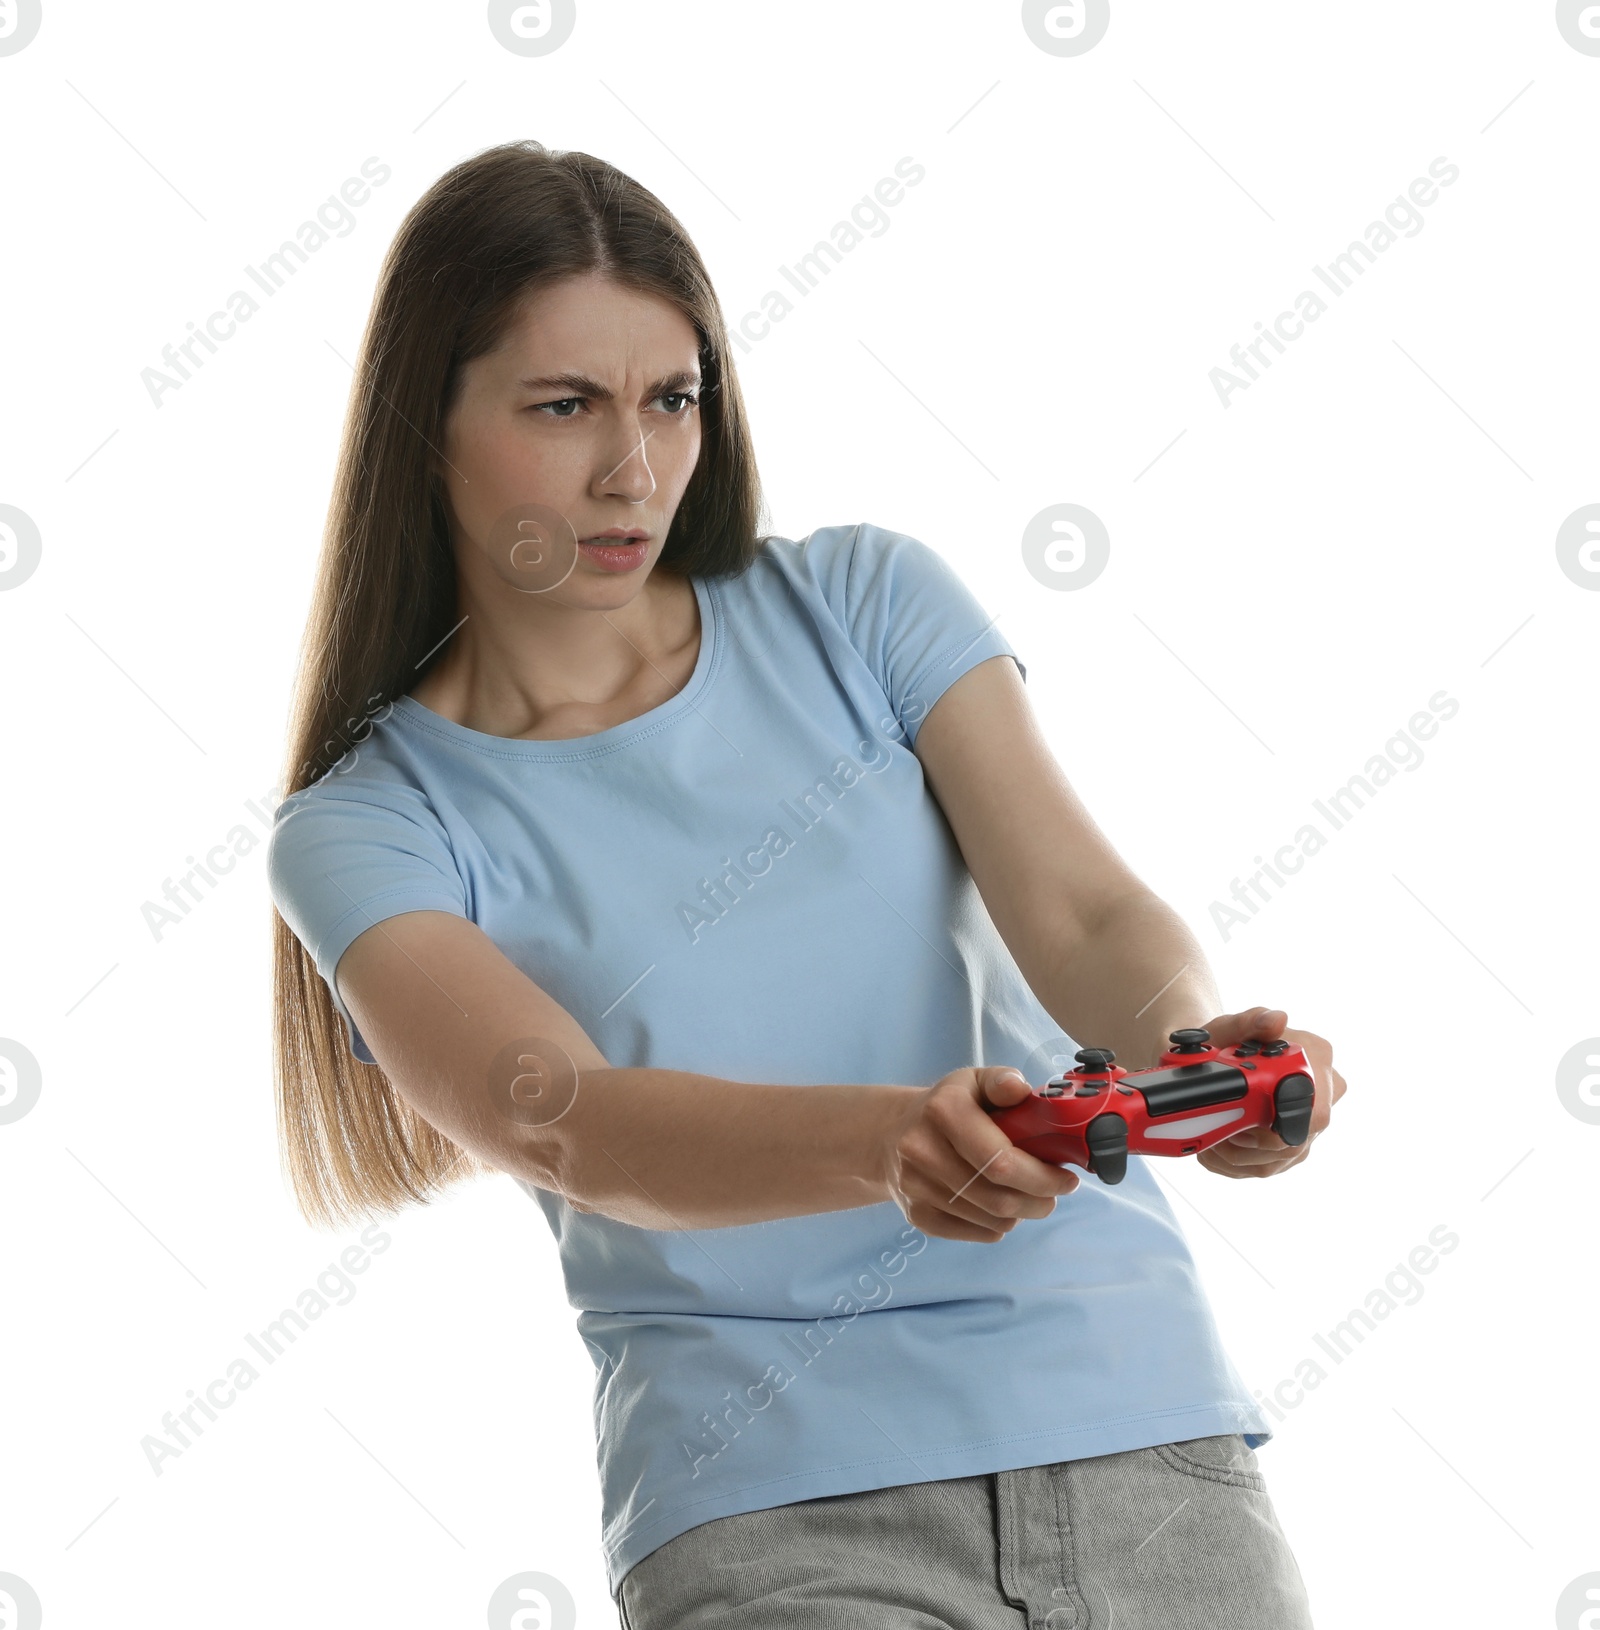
pixel 1098 1114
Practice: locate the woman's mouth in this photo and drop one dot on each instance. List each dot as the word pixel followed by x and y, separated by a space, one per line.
pixel 616 554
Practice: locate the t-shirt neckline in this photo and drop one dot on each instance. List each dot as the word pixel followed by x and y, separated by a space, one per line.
pixel 602 741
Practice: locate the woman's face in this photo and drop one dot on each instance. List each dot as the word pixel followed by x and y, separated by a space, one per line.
pixel 583 420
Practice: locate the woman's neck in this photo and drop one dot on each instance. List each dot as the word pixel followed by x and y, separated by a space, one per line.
pixel 552 673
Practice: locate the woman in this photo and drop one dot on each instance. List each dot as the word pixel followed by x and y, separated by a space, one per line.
pixel 717 886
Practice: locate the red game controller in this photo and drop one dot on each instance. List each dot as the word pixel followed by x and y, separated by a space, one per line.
pixel 1097 1114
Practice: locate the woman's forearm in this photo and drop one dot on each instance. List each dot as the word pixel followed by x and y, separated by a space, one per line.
pixel 670 1149
pixel 1137 976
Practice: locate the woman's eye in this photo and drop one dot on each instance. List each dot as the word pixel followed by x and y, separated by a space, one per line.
pixel 684 399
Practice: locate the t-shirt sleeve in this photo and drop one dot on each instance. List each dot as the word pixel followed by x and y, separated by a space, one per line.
pixel 913 620
pixel 344 857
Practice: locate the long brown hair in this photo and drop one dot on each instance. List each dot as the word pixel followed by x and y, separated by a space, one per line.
pixel 486 235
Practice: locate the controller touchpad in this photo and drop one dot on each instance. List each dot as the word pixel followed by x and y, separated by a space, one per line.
pixel 1190 1086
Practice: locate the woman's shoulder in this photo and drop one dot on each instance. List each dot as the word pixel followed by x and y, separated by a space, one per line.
pixel 373 763
pixel 823 546
pixel 833 562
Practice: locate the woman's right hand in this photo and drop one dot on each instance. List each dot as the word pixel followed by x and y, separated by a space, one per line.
pixel 954 1173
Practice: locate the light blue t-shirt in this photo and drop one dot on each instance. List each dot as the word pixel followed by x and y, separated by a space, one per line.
pixel 753 881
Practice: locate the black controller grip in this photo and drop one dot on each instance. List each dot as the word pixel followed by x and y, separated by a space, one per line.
pixel 1293 1101
pixel 1107 1138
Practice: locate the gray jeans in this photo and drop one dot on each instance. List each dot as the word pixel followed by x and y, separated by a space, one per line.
pixel 1178 1537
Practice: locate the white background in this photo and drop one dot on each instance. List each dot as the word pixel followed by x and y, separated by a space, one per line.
pixel 1290 579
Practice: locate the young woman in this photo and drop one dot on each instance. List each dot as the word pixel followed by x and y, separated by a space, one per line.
pixel 716 886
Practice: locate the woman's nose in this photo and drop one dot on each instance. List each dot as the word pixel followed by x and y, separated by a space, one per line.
pixel 627 473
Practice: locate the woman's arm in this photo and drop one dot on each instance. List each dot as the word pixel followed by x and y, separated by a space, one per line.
pixel 1112 963
pixel 501 1068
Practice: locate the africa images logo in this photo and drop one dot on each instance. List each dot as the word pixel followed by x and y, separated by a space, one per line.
pixel 20 546
pixel 1066 28
pixel 532 28
pixel 1579 22
pixel 19 22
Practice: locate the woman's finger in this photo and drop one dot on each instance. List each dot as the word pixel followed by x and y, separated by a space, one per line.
pixel 919 1187
pixel 945 1178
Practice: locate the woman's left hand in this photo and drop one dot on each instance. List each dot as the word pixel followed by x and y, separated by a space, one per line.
pixel 1260 1152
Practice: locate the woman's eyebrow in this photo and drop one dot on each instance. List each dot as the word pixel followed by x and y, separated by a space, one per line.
pixel 582 385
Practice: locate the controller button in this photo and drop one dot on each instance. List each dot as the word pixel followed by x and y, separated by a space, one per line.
pixel 1190 1041
pixel 1051 1089
pixel 1107 1139
pixel 1094 1060
pixel 1274 1048
pixel 1248 1049
pixel 1293 1101
pixel 1089 1092
pixel 1127 1092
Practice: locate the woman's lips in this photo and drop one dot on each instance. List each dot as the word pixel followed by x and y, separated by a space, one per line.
pixel 616 556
